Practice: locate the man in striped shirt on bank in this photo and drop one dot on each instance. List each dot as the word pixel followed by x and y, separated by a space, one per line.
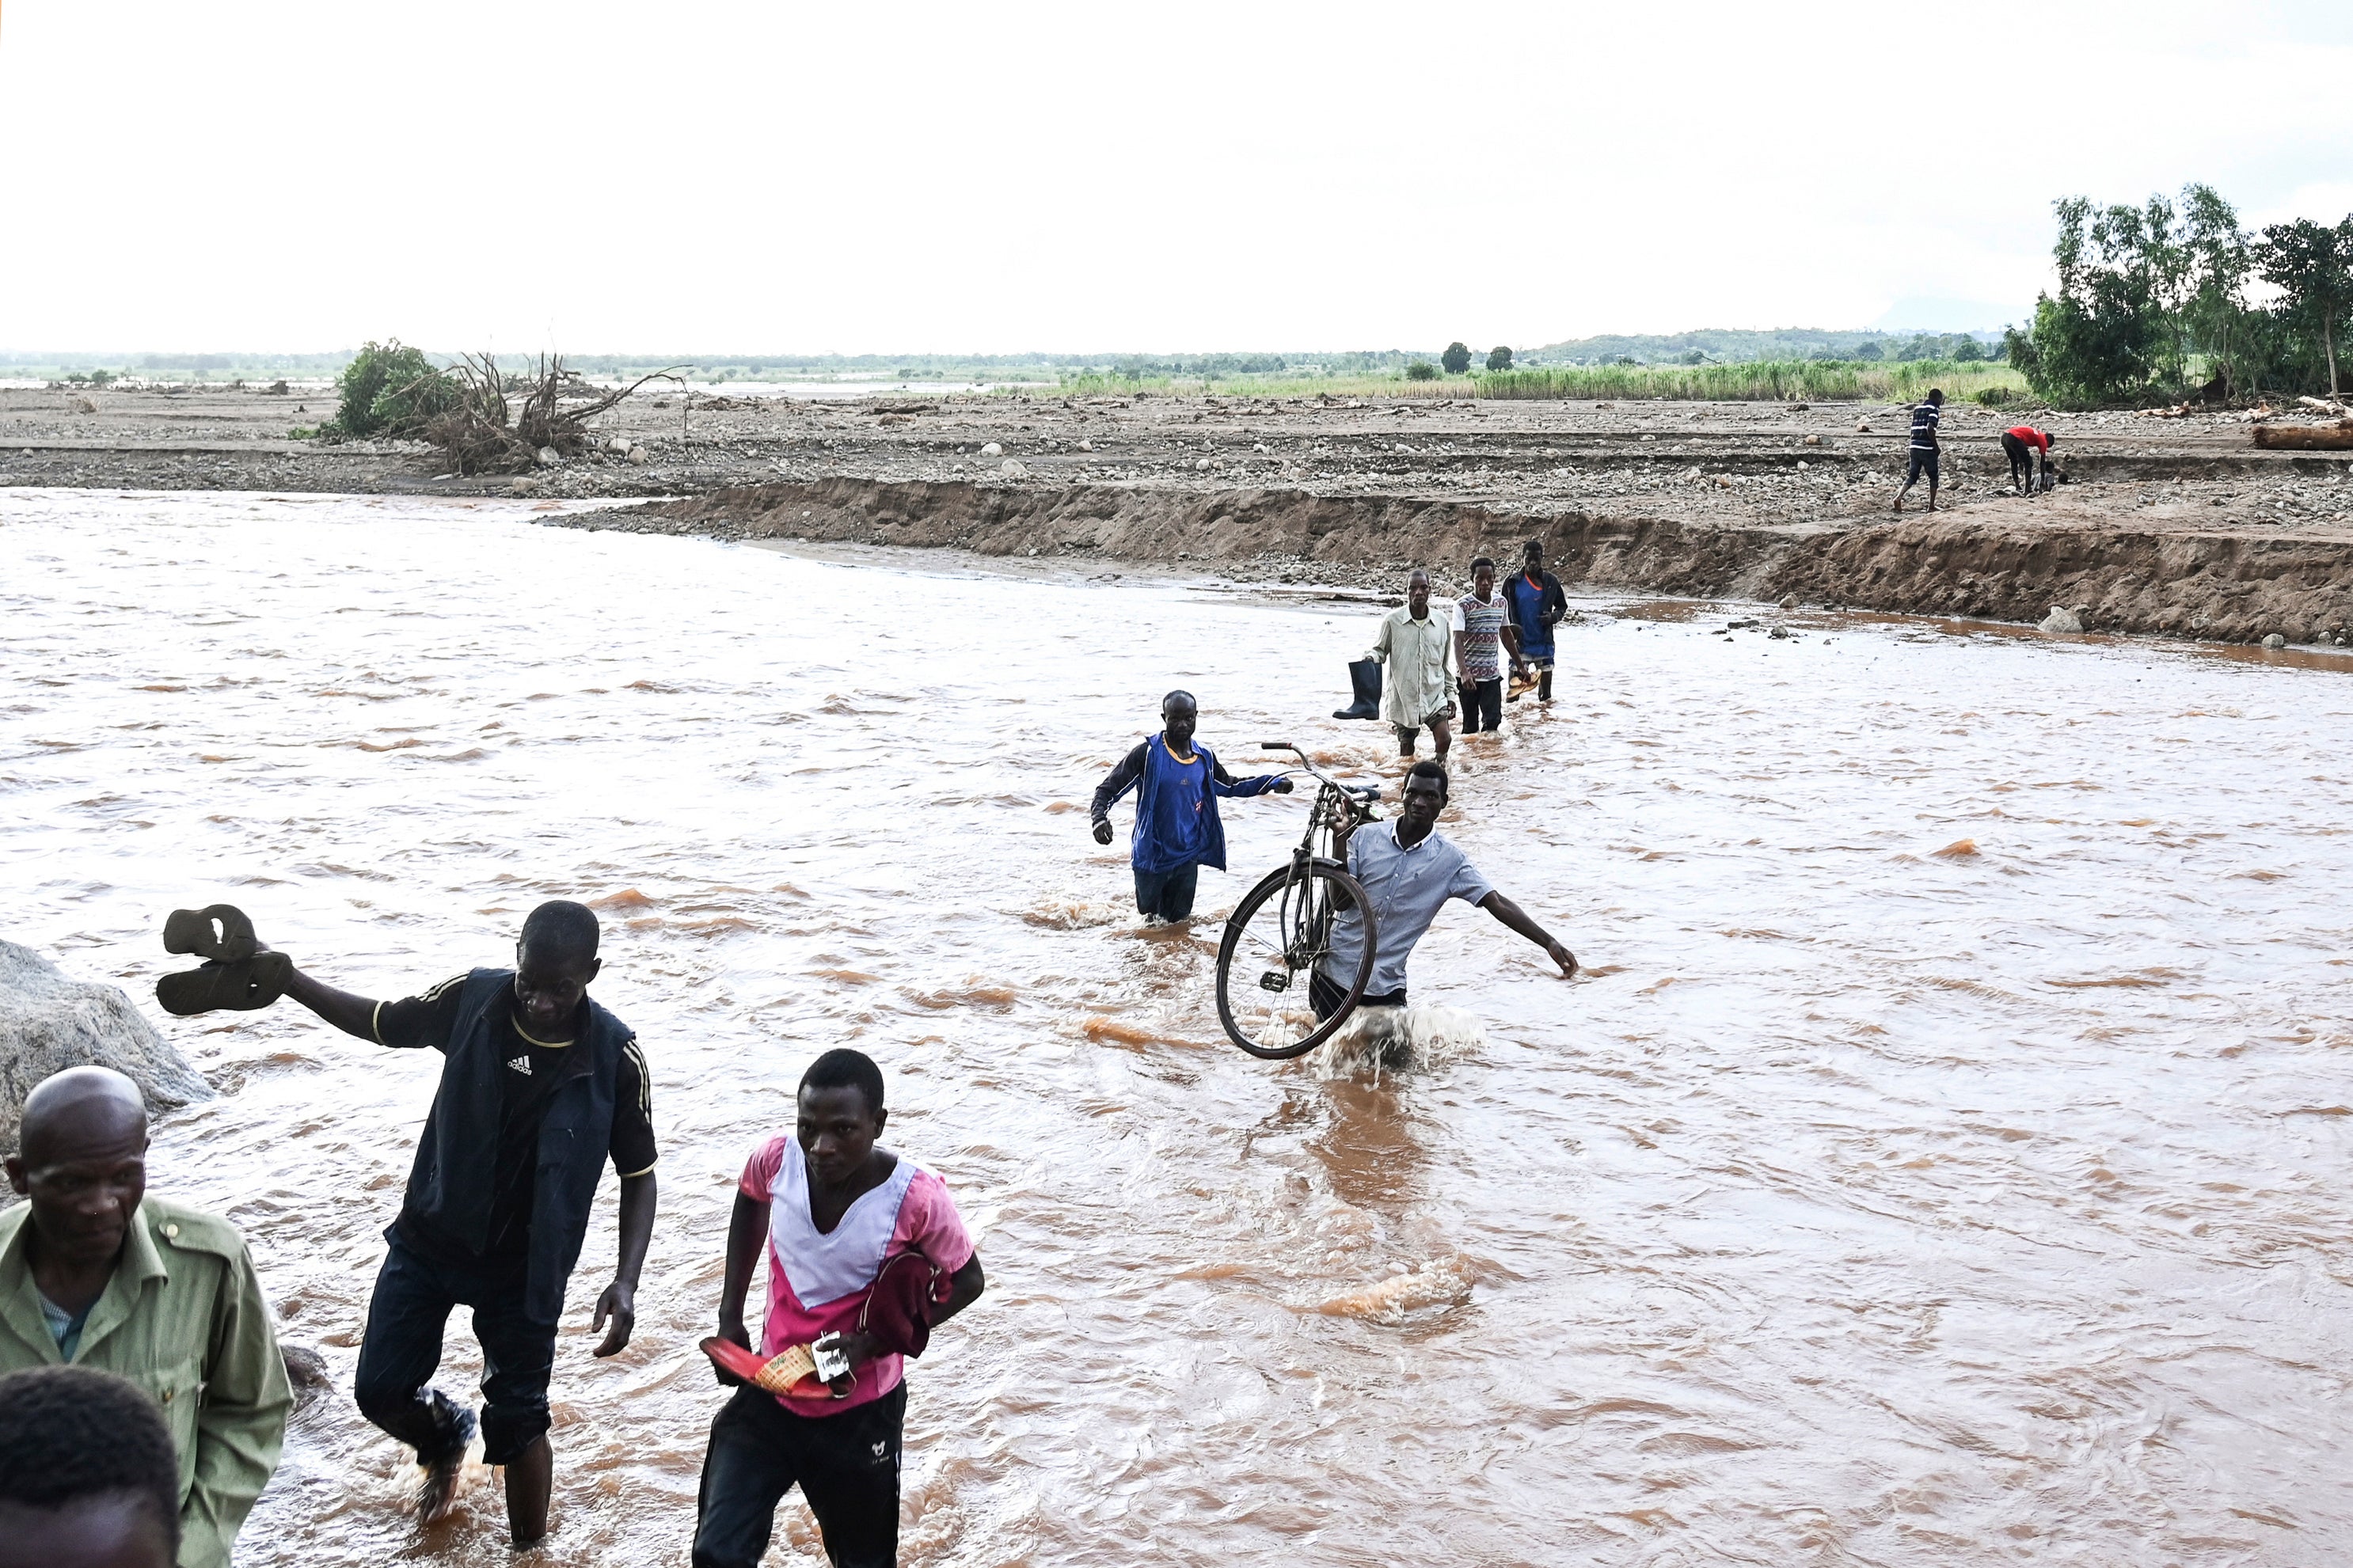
pixel 1926 417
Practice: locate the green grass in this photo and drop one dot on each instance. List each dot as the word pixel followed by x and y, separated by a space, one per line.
pixel 1825 380
pixel 1274 386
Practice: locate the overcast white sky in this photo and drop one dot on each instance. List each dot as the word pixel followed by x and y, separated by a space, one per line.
pixel 775 176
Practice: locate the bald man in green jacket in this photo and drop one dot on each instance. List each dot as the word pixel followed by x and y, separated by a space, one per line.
pixel 96 1272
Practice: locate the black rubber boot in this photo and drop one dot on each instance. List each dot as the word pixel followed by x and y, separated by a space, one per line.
pixel 1366 676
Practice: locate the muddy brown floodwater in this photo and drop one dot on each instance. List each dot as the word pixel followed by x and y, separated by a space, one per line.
pixel 1941 1160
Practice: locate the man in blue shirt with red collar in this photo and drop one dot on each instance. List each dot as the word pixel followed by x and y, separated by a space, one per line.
pixel 1177 829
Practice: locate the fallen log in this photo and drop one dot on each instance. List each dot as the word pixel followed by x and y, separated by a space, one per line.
pixel 2337 438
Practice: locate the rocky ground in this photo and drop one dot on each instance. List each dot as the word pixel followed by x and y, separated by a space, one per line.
pixel 2175 525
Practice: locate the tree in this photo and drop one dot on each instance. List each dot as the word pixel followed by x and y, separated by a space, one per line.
pixel 1422 369
pixel 1968 351
pixel 1871 350
pixel 1456 359
pixel 390 389
pixel 2312 267
pixel 2101 340
pixel 1499 358
pixel 2214 316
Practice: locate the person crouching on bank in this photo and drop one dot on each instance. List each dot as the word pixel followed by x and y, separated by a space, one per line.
pixel 860 1242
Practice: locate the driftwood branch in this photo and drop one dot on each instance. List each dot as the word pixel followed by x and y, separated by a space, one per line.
pixel 483 434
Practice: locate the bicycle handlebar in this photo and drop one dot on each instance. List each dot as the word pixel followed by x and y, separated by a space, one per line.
pixel 1362 792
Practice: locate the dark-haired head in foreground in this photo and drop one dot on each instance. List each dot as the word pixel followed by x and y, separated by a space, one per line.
pixel 87 1476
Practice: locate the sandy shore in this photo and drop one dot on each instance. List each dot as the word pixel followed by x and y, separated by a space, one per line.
pixel 2168 526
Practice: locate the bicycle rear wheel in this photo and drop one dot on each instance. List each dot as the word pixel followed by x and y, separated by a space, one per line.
pixel 1273 941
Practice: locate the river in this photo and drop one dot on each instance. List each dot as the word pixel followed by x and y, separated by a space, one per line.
pixel 1941 1158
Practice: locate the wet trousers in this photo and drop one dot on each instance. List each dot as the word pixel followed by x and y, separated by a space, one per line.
pixel 402 1346
pixel 847 1466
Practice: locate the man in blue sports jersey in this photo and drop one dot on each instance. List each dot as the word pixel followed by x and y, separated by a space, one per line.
pixel 1177 829
pixel 1926 417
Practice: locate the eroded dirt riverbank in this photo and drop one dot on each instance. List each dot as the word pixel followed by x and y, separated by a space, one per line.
pixel 2170 526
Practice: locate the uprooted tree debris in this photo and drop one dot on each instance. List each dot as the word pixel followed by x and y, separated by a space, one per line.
pixel 483 434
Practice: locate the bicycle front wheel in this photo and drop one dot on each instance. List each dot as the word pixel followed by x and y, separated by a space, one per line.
pixel 1275 939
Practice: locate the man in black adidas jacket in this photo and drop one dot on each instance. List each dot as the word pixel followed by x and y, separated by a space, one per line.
pixel 539 1087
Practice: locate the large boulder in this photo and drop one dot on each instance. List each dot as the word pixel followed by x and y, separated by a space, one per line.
pixel 49 1023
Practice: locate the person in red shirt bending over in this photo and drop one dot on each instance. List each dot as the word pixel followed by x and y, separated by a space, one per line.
pixel 2020 443
pixel 865 1250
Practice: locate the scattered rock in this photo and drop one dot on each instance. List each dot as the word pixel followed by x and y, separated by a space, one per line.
pixel 523 485
pixel 992 450
pixel 307 1370
pixel 1259 448
pixel 2060 620
pixel 1780 634
pixel 1862 427
pixel 1089 446
pixel 640 455
pixel 2275 640
pixel 1013 470
pixel 1789 601
pixel 49 1023
pixel 618 444
pixel 84 406
pixel 1814 440
pixel 549 456
pixel 1203 466
pixel 1405 452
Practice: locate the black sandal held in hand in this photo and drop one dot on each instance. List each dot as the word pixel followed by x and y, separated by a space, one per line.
pixel 243 984
pixel 237 977
pixel 217 931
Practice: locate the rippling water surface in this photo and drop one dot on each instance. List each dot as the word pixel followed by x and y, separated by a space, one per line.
pixel 1942 1159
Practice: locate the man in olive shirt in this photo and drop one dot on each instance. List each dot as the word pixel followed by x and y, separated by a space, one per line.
pixel 1417 648
pixel 96 1272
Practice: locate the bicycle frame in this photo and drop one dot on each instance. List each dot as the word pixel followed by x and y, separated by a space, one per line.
pixel 1301 898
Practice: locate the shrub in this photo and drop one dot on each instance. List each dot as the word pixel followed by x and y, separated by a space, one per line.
pixel 1456 359
pixel 1422 370
pixel 1499 358
pixel 1993 397
pixel 390 389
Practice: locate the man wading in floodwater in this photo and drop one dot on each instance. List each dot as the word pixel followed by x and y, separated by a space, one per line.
pixel 1537 604
pixel 1483 635
pixel 1418 646
pixel 862 1243
pixel 538 1086
pixel 1410 869
pixel 1176 827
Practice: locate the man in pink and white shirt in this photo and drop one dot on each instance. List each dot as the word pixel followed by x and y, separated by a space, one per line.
pixel 860 1242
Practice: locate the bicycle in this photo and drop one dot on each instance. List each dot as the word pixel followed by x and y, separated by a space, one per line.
pixel 1282 928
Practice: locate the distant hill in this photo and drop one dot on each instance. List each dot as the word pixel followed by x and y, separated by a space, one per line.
pixel 1727 346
